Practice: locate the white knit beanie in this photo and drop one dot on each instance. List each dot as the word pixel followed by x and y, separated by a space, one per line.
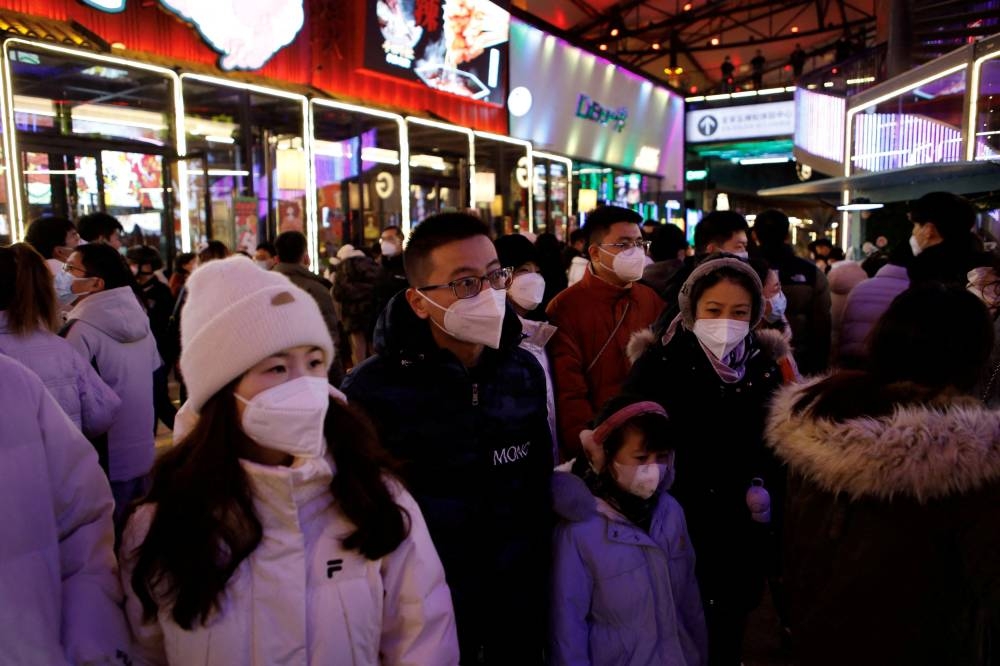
pixel 235 316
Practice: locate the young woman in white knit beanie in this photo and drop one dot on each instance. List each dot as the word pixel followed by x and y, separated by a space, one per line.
pixel 274 532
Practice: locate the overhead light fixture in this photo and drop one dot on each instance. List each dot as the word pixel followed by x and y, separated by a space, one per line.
pixel 795 28
pixel 655 46
pixel 614 32
pixel 687 6
pixel 860 203
pixel 603 47
pixel 679 70
pixel 715 41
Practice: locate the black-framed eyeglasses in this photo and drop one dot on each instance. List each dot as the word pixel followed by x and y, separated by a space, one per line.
pixel 468 287
pixel 628 245
pixel 69 268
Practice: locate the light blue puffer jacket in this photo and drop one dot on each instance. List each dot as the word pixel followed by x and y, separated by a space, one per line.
pixel 620 595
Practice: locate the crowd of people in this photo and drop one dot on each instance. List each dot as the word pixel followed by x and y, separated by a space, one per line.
pixel 455 448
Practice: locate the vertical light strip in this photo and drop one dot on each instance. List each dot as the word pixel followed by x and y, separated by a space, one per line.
pixel 845 222
pixel 973 90
pixel 180 140
pixel 13 176
pixel 404 176
pixel 472 171
pixel 311 199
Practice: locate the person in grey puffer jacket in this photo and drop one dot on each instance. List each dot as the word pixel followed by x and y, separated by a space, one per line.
pixel 110 328
pixel 624 589
pixel 28 317
pixel 866 303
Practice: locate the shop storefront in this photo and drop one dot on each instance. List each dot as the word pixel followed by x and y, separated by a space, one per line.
pixel 622 133
pixel 141 117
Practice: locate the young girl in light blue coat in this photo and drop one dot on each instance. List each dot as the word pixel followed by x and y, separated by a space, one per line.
pixel 624 590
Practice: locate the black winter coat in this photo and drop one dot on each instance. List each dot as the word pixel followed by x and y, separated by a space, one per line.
pixel 477 456
pixel 892 534
pixel 720 449
pixel 354 289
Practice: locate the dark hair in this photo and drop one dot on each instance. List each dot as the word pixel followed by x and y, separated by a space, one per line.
pixel 699 288
pixel 718 227
pixel 103 261
pixel 268 247
pixel 97 225
pixel 26 290
pixel 291 246
pixel 432 233
pixel 214 249
pixel 182 260
pixel 952 215
pixel 142 255
pixel 205 523
pixel 47 233
pixel 761 267
pixel 933 340
pixel 668 240
pixel 515 250
pixel 599 221
pixel 577 235
pixel 771 228
pixel 395 230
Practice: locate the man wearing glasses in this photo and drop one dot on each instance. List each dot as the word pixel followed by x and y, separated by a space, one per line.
pixel 463 408
pixel 595 319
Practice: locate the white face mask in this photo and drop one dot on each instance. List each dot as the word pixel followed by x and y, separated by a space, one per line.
pixel 778 304
pixel 744 255
pixel 915 245
pixel 628 264
pixel 478 320
pixel 721 336
pixel 63 283
pixel 263 264
pixel 527 290
pixel 389 248
pixel 640 480
pixel 289 417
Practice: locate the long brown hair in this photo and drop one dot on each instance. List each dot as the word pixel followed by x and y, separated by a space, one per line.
pixel 205 524
pixel 26 290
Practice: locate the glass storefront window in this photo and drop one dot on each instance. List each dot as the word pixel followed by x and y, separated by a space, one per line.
pixel 987 121
pixel 503 176
pixel 439 167
pixel 359 189
pixel 919 126
pixel 245 147
pixel 550 193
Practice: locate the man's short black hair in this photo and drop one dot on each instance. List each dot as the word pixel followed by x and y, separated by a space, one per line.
pixel 716 228
pixel 291 246
pixel 599 221
pixel 396 230
pixel 98 225
pixel 577 235
pixel 268 247
pixel 432 233
pixel 668 240
pixel 142 255
pixel 952 215
pixel 771 228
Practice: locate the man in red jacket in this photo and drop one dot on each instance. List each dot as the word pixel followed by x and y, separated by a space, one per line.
pixel 595 318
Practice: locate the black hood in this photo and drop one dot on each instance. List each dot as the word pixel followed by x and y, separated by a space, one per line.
pixel 400 332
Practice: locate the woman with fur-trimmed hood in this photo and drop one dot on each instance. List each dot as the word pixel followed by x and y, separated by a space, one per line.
pixel 892 533
pixel 714 374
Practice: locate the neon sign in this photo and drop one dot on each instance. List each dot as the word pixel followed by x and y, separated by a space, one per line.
pixel 244 34
pixel 592 110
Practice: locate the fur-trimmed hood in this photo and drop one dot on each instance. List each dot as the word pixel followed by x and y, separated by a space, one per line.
pixel 923 452
pixel 771 342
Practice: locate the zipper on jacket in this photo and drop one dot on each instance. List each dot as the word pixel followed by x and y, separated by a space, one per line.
pixel 475 394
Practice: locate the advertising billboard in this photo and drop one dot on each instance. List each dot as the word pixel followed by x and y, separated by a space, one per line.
pixel 569 101
pixel 736 123
pixel 455 46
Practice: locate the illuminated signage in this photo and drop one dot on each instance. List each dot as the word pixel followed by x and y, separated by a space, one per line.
pixel 819 124
pixel 245 35
pixel 455 46
pixel 591 110
pixel 568 92
pixel 885 141
pixel 733 123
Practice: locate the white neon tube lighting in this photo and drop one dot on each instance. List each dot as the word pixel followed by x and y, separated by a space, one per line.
pixel 696 98
pixel 851 113
pixel 744 93
pixel 973 90
pixel 219 139
pixel 10 131
pixel 764 160
pixel 770 91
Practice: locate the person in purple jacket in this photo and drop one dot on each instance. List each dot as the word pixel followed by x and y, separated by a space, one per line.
pixel 623 582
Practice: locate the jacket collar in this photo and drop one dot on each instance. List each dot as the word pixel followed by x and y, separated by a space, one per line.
pixel 574 502
pixel 400 332
pixel 919 451
pixel 602 288
pixel 282 494
pixel 537 333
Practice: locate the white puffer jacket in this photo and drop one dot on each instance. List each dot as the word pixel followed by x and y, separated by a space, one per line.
pixel 301 597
